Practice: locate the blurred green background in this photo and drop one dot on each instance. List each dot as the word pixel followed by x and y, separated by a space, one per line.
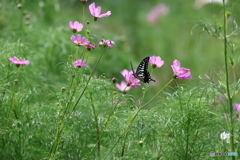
pixel 43 37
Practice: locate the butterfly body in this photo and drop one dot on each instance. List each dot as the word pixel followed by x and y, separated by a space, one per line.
pixel 142 73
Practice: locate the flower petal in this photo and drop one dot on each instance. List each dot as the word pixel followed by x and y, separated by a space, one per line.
pixel 108 13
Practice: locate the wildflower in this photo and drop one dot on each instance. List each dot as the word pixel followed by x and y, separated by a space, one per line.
pixel 157 12
pixel 90 46
pixel 75 26
pixel 19 62
pixel 182 73
pixel 156 61
pixel 130 79
pixel 105 43
pixel 79 40
pixel 83 0
pixel 237 107
pixel 95 12
pixel 225 136
pixel 80 63
pixel 123 86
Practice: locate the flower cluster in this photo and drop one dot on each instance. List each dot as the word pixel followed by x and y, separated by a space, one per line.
pixel 131 80
pixel 80 40
pixel 156 62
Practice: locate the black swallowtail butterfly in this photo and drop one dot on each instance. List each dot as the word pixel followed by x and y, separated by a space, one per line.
pixel 141 73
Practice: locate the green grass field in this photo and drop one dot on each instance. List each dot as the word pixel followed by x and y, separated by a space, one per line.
pixel 51 109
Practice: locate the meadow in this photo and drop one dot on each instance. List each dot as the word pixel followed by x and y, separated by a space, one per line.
pixel 65 91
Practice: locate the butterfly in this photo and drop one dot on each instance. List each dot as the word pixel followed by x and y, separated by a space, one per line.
pixel 141 73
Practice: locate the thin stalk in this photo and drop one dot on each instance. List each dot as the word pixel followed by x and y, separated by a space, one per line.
pixel 227 79
pixel 187 139
pixel 158 92
pixel 105 126
pixel 60 127
pixel 83 15
pixel 123 147
pixel 131 121
pixel 97 126
pixel 56 142
pixel 87 81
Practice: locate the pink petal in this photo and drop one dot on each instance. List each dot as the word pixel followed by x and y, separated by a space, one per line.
pixel 70 24
pixel 108 13
pixel 92 8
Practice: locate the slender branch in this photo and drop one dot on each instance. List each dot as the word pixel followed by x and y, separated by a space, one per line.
pixel 88 81
pixel 227 79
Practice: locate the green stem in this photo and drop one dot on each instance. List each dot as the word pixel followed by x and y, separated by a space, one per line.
pixel 83 12
pixel 158 92
pixel 92 26
pixel 56 142
pixel 227 80
pixel 97 126
pixel 131 121
pixel 105 126
pixel 64 118
pixel 87 82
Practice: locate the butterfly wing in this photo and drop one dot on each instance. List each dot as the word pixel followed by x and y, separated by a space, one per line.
pixel 141 73
pixel 147 77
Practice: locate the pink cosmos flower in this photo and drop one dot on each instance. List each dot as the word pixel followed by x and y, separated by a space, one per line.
pixel 182 73
pixel 107 42
pixel 80 63
pixel 130 79
pixel 156 61
pixel 157 12
pixel 19 62
pixel 237 107
pixel 123 86
pixel 90 46
pixel 75 26
pixel 95 12
pixel 79 40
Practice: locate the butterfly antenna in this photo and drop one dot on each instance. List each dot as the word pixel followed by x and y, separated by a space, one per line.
pixel 152 80
pixel 132 67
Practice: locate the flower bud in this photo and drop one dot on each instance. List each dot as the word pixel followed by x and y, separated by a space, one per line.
pixel 19 5
pixel 114 80
pixel 140 143
pixel 16 81
pixel 63 89
pixel 28 16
